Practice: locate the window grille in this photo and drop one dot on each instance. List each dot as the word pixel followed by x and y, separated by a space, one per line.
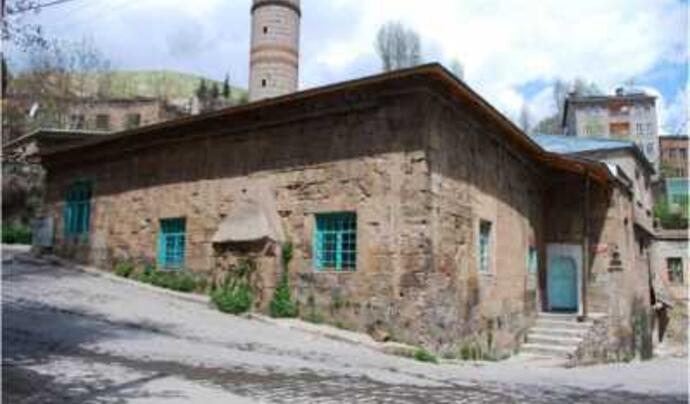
pixel 532 260
pixel 335 242
pixel 674 265
pixel 171 243
pixel 484 245
pixel 77 213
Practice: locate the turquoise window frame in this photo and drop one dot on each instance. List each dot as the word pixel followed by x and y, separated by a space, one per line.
pixel 77 213
pixel 674 267
pixel 484 246
pixel 172 243
pixel 532 260
pixel 335 242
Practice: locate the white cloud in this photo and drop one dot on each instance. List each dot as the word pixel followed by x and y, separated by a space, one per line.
pixel 511 42
pixel 675 116
pixel 542 104
pixel 503 44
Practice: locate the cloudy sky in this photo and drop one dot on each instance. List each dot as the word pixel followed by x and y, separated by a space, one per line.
pixel 512 50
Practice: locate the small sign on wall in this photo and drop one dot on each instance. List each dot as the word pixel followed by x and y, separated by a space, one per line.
pixel 616 262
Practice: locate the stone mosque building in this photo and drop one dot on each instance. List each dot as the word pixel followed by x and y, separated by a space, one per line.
pixel 415 208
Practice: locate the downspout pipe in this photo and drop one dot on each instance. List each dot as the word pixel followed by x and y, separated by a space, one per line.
pixel 585 246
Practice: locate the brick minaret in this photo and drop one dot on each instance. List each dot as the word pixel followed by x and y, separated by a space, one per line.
pixel 274 60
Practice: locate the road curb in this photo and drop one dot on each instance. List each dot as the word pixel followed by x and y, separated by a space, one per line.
pixel 321 330
pixel 55 260
pixel 346 336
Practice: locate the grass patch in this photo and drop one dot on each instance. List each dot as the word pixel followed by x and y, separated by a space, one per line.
pixel 282 305
pixel 423 355
pixel 314 317
pixel 124 269
pixel 233 299
pixel 179 281
pixel 16 234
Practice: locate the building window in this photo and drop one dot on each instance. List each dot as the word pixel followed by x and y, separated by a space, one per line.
pixel 78 209
pixel 674 266
pixel 335 242
pixel 619 130
pixel 265 30
pixel 77 121
pixel 484 246
pixel 532 260
pixel 133 121
pixel 103 122
pixel 171 243
pixel 263 82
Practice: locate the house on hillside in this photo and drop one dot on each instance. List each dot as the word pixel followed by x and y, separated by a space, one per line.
pixel 625 115
pixel 415 209
pixel 674 170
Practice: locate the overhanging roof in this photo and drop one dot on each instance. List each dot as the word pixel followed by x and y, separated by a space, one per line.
pixel 572 145
pixel 426 73
pixel 57 134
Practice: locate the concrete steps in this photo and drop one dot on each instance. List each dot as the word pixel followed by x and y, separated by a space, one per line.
pixel 555 335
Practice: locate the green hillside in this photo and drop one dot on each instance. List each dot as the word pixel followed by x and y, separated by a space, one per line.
pixel 166 84
pixel 158 83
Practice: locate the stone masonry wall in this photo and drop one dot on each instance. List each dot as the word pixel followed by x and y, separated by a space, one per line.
pixel 419 170
pixel 675 332
pixel 477 175
pixel 369 159
pixel 618 273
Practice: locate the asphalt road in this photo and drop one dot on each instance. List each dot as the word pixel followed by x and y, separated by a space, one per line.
pixel 72 337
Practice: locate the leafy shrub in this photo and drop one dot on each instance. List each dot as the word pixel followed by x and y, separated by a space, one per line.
pixel 124 269
pixel 16 234
pixel 233 298
pixel 314 317
pixel 423 355
pixel 668 217
pixel 282 305
pixel 179 281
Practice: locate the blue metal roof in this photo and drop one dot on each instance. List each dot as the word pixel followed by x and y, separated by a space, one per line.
pixel 571 144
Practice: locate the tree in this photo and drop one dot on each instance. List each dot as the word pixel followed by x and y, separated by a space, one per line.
pixel 88 67
pixel 560 94
pixel 215 92
pixel 202 91
pixel 398 47
pixel 582 87
pixel 561 90
pixel 525 118
pixel 16 30
pixel 548 126
pixel 56 78
pixel 5 76
pixel 457 69
pixel 226 87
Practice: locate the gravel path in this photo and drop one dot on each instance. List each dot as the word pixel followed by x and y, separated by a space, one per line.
pixel 72 337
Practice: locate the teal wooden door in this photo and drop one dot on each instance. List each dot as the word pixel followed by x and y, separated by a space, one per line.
pixel 562 287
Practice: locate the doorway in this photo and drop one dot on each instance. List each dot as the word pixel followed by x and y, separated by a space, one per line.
pixel 564 263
